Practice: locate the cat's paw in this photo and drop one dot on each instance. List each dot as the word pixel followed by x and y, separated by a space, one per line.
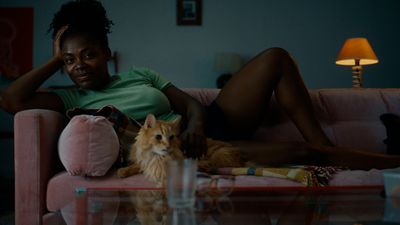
pixel 161 184
pixel 204 166
pixel 123 172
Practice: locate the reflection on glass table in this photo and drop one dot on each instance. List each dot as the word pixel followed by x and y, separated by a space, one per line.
pixel 217 202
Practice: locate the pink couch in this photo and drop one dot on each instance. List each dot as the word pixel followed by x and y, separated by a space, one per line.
pixel 350 117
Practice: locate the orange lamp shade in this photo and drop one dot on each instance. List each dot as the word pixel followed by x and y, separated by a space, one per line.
pixel 356 49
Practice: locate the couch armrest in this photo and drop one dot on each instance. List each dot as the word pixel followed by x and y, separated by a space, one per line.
pixel 36 133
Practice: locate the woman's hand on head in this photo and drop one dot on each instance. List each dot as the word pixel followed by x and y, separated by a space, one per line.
pixel 57 43
pixel 194 142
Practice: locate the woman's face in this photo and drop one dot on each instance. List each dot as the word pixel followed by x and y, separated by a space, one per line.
pixel 86 62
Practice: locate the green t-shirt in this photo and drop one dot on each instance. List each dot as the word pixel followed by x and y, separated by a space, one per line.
pixel 136 93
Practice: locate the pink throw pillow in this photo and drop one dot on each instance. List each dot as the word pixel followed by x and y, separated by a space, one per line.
pixel 88 146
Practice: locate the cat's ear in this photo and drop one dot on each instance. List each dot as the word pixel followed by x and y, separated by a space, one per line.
pixel 150 121
pixel 177 121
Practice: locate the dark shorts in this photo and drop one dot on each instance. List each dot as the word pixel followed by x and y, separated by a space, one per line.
pixel 217 127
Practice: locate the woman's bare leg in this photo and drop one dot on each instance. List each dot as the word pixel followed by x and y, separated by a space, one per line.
pixel 358 158
pixel 244 99
pixel 301 153
pixel 278 154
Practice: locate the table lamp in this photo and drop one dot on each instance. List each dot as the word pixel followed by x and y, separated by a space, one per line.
pixel 226 64
pixel 356 52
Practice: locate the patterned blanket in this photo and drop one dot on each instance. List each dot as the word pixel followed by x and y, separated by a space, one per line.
pixel 307 175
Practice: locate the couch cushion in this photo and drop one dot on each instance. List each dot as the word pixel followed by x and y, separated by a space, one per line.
pixel 391 97
pixel 353 116
pixel 88 146
pixel 371 177
pixel 365 135
pixel 353 104
pixel 204 95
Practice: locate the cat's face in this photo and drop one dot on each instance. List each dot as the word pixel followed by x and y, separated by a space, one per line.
pixel 159 137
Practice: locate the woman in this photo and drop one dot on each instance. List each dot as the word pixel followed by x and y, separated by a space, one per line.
pixel 81 48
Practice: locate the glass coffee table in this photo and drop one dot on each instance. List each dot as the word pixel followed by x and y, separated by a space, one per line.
pixel 250 205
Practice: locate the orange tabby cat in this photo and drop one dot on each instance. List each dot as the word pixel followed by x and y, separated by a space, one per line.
pixel 158 142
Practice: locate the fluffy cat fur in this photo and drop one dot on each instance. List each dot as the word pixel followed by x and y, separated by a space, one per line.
pixel 158 142
pixel 149 206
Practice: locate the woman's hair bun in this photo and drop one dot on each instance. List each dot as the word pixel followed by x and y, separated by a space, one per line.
pixel 82 15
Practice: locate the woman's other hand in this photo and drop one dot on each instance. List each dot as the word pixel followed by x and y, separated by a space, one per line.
pixel 193 137
pixel 194 143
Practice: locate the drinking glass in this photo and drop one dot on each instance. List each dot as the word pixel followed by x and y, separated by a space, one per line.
pixel 181 183
pixel 181 216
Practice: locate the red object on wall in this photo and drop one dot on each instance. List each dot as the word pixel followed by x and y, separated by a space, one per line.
pixel 16 41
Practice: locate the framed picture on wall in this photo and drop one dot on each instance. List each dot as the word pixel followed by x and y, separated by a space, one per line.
pixel 188 12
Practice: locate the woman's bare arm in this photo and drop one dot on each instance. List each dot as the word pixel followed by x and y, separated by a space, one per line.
pixel 23 93
pixel 194 140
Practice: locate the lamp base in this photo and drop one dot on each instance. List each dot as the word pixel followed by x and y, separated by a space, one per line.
pixel 357 78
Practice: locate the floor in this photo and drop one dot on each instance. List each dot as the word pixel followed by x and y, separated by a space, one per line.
pixel 6 201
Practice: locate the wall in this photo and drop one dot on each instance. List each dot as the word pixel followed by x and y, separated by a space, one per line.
pixel 146 34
